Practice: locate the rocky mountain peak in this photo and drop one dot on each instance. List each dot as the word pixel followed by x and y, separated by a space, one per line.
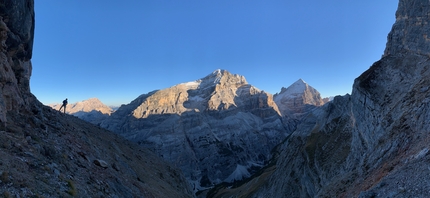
pixel 297 98
pixel 221 77
pixel 216 129
pixel 217 90
pixel 91 110
pixel 92 104
pixel 298 87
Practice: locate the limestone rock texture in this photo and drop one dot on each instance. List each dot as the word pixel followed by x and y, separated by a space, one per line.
pixel 48 154
pixel 91 110
pixel 372 143
pixel 16 45
pixel 215 129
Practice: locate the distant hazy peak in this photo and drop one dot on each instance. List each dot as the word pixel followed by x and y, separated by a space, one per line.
pixel 85 106
pixel 93 100
pixel 297 97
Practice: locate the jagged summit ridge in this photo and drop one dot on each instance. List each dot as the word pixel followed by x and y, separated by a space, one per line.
pixel 219 76
pixel 208 93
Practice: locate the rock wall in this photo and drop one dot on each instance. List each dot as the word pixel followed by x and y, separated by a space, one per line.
pixel 16 38
pixel 410 31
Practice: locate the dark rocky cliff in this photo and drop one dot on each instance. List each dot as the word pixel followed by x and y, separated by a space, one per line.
pixel 16 38
pixel 411 29
pixel 372 143
pixel 48 154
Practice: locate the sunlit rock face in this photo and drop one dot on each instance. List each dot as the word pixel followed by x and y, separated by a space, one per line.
pixel 91 110
pixel 375 142
pixel 218 128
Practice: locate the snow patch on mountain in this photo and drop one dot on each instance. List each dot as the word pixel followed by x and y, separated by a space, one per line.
pixel 191 85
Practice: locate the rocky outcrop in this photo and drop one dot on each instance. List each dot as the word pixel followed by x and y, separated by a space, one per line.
pixel 298 99
pixel 91 110
pixel 16 38
pixel 216 129
pixel 410 31
pixel 373 143
pixel 48 154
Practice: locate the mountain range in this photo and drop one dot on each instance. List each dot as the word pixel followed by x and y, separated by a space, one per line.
pixel 205 135
pixel 216 129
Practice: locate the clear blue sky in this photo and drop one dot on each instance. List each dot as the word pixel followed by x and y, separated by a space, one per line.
pixel 117 50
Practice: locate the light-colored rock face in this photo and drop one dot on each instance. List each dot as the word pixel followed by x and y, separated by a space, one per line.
pixel 85 106
pixel 298 99
pixel 215 129
pixel 375 142
pixel 196 96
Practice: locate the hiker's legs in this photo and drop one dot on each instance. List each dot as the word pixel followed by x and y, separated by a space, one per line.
pixel 62 107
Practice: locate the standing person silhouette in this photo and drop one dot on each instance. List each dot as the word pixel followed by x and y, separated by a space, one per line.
pixel 64 105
